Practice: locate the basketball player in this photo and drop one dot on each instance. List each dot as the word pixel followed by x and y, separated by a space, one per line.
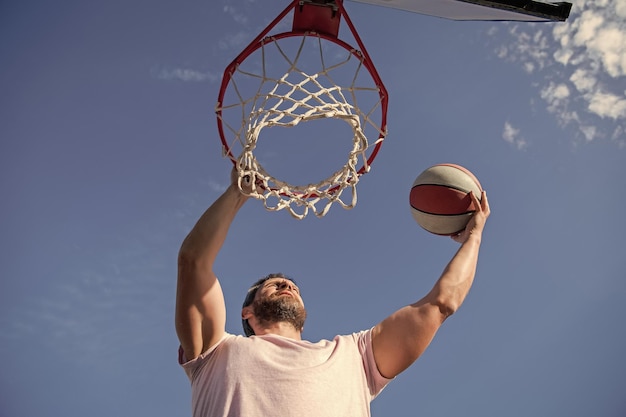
pixel 273 372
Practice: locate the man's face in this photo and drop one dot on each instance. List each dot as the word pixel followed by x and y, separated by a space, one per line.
pixel 278 300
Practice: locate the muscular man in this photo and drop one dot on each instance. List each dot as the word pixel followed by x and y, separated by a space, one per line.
pixel 273 372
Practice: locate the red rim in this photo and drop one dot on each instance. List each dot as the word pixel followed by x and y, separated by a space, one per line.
pixel 263 39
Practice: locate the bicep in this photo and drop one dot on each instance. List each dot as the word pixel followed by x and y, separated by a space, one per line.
pixel 200 309
pixel 401 338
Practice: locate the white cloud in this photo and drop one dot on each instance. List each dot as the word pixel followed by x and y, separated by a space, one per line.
pixel 237 16
pixel 512 135
pixel 216 186
pixel 184 74
pixel 583 80
pixel 241 12
pixel 581 64
pixel 608 105
pixel 235 41
pixel 230 41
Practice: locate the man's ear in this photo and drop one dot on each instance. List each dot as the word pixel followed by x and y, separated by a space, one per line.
pixel 246 312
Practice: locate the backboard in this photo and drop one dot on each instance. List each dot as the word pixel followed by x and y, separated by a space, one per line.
pixel 503 10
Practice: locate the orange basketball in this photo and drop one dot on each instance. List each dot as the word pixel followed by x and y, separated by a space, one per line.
pixel 440 200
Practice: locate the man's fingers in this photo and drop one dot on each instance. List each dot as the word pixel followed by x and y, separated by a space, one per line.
pixel 484 203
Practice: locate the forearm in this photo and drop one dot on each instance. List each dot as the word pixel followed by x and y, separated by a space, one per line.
pixel 457 278
pixel 402 337
pixel 209 233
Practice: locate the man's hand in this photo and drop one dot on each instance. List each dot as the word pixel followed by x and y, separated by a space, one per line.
pixel 246 185
pixel 477 222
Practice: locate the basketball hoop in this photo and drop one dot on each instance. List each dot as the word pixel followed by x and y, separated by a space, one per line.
pixel 275 83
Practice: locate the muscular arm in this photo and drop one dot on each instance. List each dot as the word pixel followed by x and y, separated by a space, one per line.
pixel 200 309
pixel 402 337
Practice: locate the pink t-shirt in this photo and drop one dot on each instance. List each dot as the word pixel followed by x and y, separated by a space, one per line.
pixel 263 376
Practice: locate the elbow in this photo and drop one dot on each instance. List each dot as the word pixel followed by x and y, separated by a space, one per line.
pixel 192 262
pixel 448 299
pixel 184 254
pixel 194 252
pixel 446 309
pixel 447 306
pixel 187 259
pixel 188 254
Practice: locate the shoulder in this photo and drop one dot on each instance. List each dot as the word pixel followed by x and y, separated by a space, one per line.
pixel 361 341
pixel 363 337
pixel 225 340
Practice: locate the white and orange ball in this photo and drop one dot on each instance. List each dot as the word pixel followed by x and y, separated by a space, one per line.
pixel 440 200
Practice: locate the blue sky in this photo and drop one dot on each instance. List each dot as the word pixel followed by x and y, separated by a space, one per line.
pixel 109 153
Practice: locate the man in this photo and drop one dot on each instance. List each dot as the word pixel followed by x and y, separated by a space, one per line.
pixel 274 372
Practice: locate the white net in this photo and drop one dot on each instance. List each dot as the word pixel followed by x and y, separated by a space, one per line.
pixel 336 85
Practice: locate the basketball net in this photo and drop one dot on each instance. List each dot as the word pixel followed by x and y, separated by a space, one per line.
pixel 300 96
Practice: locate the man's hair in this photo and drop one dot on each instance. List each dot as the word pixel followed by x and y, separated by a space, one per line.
pixel 247 329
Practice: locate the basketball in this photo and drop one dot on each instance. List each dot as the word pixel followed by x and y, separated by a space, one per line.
pixel 440 200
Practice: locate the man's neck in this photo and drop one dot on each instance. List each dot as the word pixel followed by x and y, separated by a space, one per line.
pixel 281 329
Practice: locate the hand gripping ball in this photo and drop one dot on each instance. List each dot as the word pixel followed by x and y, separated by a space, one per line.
pixel 440 200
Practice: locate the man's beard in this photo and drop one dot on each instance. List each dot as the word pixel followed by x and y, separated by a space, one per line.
pixel 280 309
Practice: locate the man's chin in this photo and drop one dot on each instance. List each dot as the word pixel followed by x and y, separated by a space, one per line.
pixel 282 309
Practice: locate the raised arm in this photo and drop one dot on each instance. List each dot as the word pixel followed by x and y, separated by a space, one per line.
pixel 200 309
pixel 402 337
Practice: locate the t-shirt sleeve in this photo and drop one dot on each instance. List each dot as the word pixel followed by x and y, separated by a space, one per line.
pixel 191 366
pixel 375 381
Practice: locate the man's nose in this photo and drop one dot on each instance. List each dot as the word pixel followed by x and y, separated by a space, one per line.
pixel 286 284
